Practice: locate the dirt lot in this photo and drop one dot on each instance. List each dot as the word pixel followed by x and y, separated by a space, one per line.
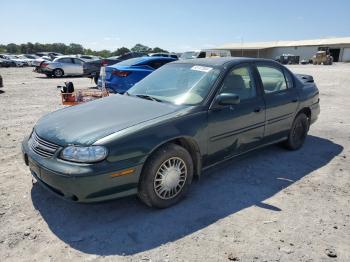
pixel 271 205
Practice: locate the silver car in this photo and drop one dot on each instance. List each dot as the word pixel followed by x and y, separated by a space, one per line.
pixel 63 66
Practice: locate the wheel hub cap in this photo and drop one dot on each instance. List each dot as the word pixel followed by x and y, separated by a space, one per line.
pixel 170 178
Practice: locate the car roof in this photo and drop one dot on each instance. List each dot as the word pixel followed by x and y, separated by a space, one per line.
pixel 220 61
pixel 149 58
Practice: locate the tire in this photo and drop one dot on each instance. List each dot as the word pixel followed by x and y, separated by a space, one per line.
pixel 96 79
pixel 154 189
pixel 298 132
pixel 58 72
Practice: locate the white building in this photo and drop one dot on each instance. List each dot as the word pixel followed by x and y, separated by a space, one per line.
pixel 339 48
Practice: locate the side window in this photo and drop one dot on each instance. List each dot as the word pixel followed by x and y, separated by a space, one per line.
pixel 65 60
pixel 239 81
pixel 272 78
pixel 78 61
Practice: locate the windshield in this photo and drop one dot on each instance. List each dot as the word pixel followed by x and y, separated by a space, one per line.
pixel 180 84
pixel 131 61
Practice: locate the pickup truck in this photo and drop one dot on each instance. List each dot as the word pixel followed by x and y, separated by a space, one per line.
pixel 183 118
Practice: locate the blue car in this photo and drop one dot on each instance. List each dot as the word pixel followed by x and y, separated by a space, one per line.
pixel 122 76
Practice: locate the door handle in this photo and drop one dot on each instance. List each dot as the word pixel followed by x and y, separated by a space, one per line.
pixel 295 100
pixel 257 110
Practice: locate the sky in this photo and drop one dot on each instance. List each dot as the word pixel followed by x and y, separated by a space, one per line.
pixel 176 25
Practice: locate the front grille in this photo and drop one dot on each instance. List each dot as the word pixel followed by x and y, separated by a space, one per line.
pixel 41 146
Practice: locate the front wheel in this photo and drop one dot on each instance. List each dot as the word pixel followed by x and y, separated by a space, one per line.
pixel 298 132
pixel 166 176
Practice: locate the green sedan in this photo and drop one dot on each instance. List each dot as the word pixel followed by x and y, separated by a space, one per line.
pixel 185 117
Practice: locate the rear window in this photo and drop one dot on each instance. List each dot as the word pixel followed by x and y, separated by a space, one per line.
pixel 131 61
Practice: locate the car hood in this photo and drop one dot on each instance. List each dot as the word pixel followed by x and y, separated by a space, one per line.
pixel 86 123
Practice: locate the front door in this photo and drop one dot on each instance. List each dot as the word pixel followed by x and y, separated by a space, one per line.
pixel 233 129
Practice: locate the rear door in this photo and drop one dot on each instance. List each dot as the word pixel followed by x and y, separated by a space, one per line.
pixel 233 129
pixel 281 99
pixel 66 64
pixel 77 66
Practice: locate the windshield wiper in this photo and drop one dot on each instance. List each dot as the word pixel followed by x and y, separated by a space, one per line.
pixel 149 98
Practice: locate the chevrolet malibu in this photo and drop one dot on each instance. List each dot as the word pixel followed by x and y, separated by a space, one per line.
pixel 185 117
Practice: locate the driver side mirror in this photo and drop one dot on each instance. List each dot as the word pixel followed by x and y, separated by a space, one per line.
pixel 227 99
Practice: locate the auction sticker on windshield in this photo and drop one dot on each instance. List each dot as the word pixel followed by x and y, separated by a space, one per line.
pixel 201 68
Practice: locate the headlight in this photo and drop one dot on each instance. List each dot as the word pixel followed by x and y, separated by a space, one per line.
pixel 81 154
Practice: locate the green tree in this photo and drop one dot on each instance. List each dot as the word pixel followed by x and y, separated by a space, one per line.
pixel 141 48
pixel 30 48
pixel 75 49
pixel 104 53
pixel 2 48
pixel 39 47
pixel 12 48
pixel 59 48
pixel 120 51
pixel 159 50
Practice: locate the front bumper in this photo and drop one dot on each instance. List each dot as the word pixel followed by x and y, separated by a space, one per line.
pixel 80 182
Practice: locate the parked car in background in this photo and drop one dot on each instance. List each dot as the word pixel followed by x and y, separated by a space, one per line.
pixel 6 63
pixel 89 57
pixel 32 58
pixel 164 55
pixel 37 62
pixel 128 56
pixel 189 55
pixel 288 59
pixel 29 61
pixel 52 55
pixel 205 54
pixel 184 118
pixel 122 76
pixel 62 66
pixel 15 59
pixel 92 68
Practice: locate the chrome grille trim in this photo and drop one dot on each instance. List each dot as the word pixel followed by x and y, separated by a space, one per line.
pixel 42 147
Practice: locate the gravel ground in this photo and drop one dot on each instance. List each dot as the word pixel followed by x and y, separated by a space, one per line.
pixel 270 205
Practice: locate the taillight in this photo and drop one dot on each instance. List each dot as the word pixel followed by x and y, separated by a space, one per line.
pixel 44 64
pixel 121 73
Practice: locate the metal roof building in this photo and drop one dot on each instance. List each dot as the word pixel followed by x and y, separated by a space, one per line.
pixel 339 48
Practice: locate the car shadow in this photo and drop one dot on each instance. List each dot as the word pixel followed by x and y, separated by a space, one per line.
pixel 63 77
pixel 126 226
pixel 2 91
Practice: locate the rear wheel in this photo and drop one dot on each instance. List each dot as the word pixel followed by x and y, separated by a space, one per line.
pixel 58 72
pixel 166 177
pixel 298 132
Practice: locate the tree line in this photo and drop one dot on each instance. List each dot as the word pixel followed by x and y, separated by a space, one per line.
pixel 73 49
